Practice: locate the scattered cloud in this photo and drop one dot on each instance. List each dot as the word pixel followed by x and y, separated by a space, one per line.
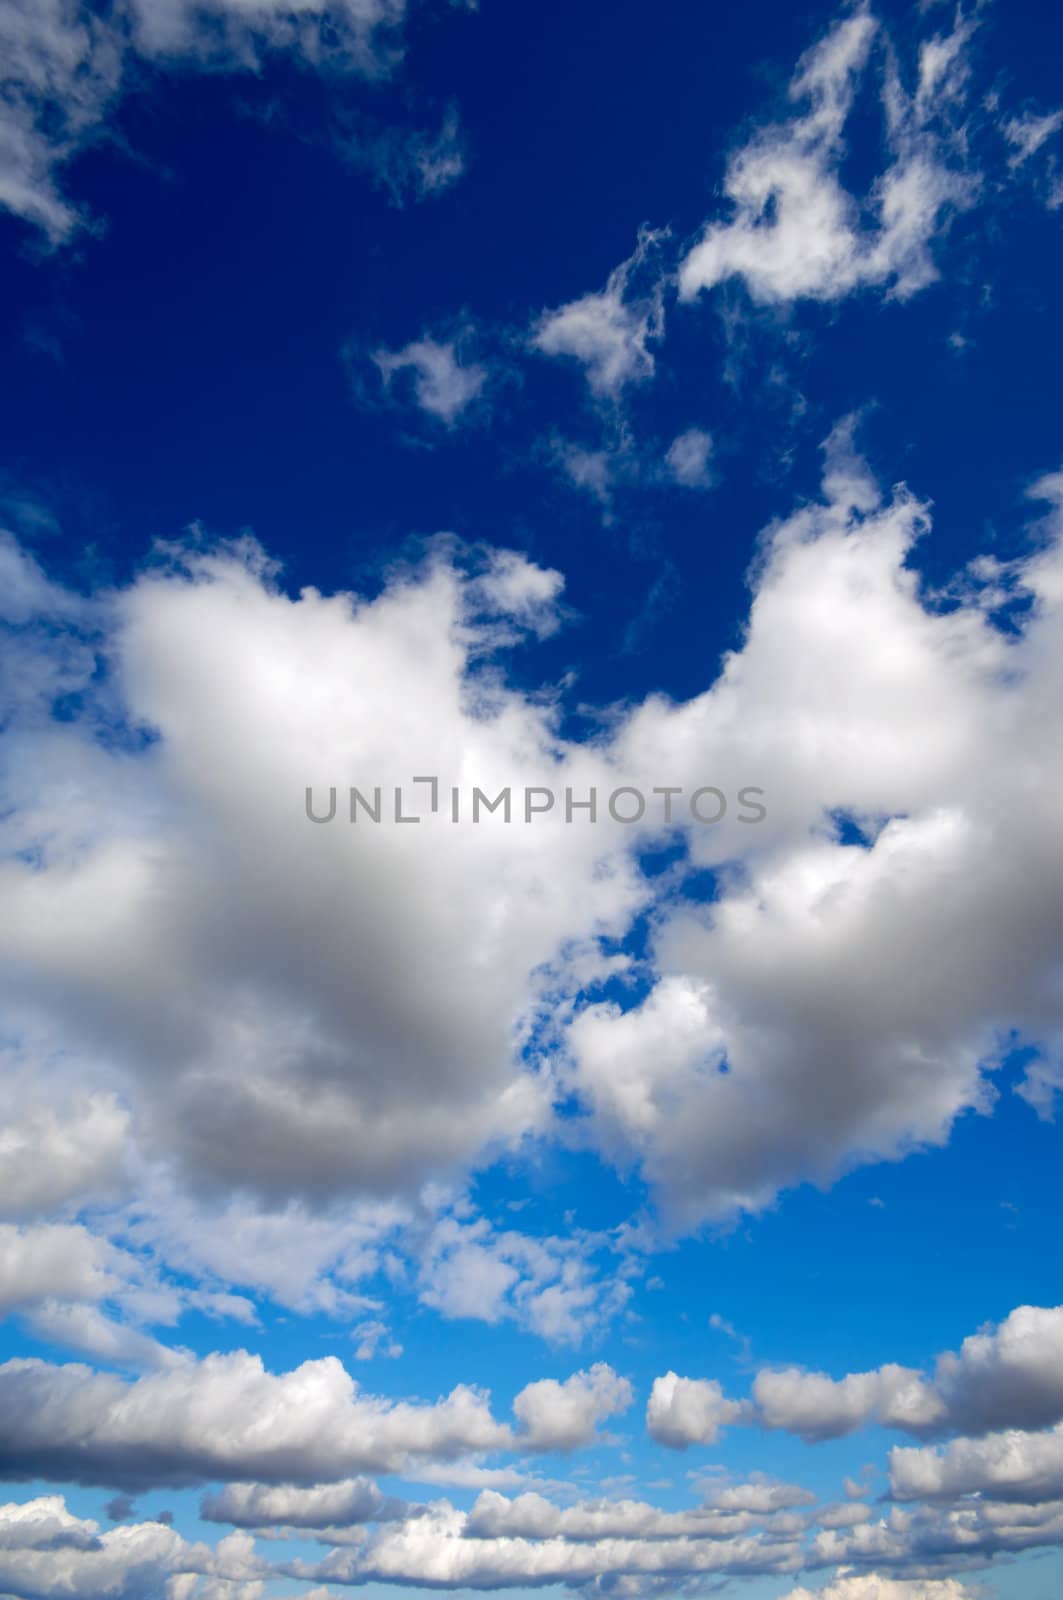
pixel 795 231
pixel 409 166
pixel 65 68
pixel 609 333
pixel 1010 1376
pixel 442 382
pixel 688 459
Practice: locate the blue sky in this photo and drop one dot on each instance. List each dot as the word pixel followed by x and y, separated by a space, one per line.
pixel 554 401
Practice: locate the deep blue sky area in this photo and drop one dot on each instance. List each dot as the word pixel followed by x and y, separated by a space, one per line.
pixel 187 356
pixel 724 1175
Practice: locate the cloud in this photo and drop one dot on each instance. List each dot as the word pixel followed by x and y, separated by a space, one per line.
pixel 687 459
pixel 872 1587
pixel 1009 1376
pixel 351 34
pixel 54 1276
pixel 345 1011
pixel 1013 1465
pixel 374 1339
pixel 818 1407
pixel 441 383
pixel 685 1411
pixel 62 71
pixel 259 1505
pixel 548 1284
pixel 532 1516
pixel 436 1549
pixel 565 1415
pixel 786 1036
pixel 795 232
pixel 348 1020
pixel 52 1261
pixel 1028 132
pixel 934 1542
pixel 514 587
pixel 65 69
pixel 610 333
pixel 408 166
pixel 223 1417
pixel 50 1155
pixel 45 1550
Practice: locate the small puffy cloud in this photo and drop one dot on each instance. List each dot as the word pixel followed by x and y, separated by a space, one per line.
pixel 686 1411
pixel 610 333
pixel 795 232
pixel 760 1495
pixel 514 587
pixel 440 382
pixel 688 459
pixel 565 1415
pixel 374 1339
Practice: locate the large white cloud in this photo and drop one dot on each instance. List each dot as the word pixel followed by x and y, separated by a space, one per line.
pixel 338 1007
pixel 350 1008
pixel 841 1001
pixel 224 1417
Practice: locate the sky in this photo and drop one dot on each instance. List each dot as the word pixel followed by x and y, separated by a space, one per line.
pixel 531 734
